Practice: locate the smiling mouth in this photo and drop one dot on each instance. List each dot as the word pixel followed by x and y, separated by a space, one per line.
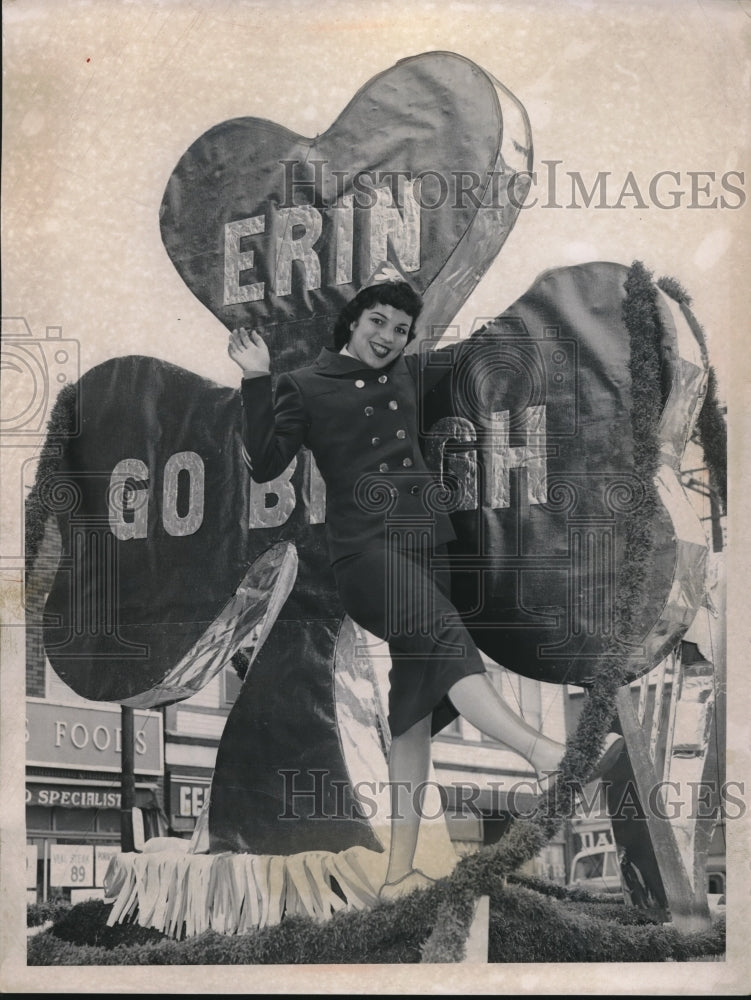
pixel 379 350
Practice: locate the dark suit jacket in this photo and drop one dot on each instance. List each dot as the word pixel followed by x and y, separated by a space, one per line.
pixel 361 425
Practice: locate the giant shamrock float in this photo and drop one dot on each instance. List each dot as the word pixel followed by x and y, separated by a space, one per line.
pixel 171 560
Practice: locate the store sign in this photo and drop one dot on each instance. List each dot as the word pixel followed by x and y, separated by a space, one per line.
pixel 594 838
pixel 102 855
pixel 81 796
pixel 89 738
pixel 72 797
pixel 187 797
pixel 72 865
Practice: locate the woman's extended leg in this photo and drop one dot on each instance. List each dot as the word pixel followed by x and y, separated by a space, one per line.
pixel 430 658
pixel 475 698
pixel 409 763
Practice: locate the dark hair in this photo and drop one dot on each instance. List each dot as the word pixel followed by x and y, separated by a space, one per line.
pixel 398 294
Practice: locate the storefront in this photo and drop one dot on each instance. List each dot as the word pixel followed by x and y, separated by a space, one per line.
pixel 73 793
pixel 187 794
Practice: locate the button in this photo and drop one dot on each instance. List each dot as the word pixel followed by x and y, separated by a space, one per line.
pixel 414 490
pixel 383 379
pixel 393 405
pixel 383 467
pixel 401 435
pixel 407 462
pixel 375 442
pixel 368 411
pixel 359 384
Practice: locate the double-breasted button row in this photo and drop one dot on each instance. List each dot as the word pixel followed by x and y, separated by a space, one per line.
pixel 360 383
pixel 369 411
pixel 400 434
pixel 377 440
pixel 406 463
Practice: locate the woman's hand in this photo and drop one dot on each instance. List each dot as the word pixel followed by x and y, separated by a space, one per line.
pixel 247 349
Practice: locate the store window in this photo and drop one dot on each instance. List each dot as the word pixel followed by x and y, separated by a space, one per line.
pixel 454 728
pixel 108 821
pixel 716 883
pixel 522 694
pixel 38 818
pixel 75 820
pixel 231 685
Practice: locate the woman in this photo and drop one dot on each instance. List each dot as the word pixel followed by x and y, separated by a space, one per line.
pixel 356 408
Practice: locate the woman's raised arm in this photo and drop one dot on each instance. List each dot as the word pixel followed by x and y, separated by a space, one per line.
pixel 272 429
pixel 248 350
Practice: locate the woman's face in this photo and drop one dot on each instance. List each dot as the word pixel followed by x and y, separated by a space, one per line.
pixel 379 335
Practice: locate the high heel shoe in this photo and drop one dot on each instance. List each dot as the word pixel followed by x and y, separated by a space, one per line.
pixel 413 880
pixel 614 744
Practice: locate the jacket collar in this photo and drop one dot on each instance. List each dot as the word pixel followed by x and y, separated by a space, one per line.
pixel 331 362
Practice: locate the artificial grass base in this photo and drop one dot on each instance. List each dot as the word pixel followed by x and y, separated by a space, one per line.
pixel 526 925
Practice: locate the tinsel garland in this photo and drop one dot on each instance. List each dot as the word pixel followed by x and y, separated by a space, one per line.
pixel 713 437
pixel 574 894
pixel 240 663
pixel 711 427
pixel 526 838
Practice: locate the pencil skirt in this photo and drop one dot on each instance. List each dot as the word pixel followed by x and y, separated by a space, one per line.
pixel 400 598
